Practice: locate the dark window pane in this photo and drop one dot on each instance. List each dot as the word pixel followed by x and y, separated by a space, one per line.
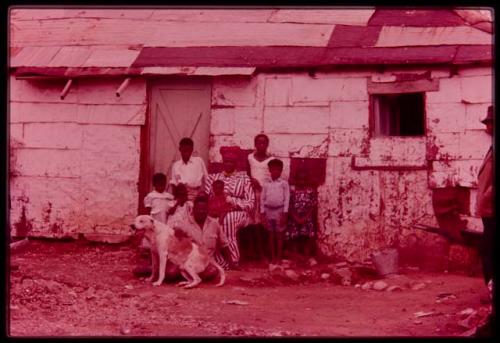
pixel 399 114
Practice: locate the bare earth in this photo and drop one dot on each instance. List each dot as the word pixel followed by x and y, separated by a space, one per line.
pixel 84 289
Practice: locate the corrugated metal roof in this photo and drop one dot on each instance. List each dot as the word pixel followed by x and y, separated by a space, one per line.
pixel 110 41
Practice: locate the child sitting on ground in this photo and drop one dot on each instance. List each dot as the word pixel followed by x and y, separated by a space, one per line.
pixel 301 231
pixel 217 204
pixel 274 198
pixel 182 208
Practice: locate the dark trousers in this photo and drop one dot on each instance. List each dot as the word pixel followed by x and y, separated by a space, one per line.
pixel 487 248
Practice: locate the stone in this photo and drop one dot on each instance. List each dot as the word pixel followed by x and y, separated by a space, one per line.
pixel 112 114
pixel 228 92
pixel 449 91
pixel 278 91
pixel 367 285
pixel 312 262
pixel 222 121
pixel 125 330
pixel 418 286
pixel 446 117
pixel 357 118
pixel 325 276
pixel 305 89
pixel 475 89
pixel 466 312
pixel 345 276
pixel 53 135
pixel 394 288
pixel 235 302
pixel 296 119
pixel 275 268
pixel 379 285
pixel 291 274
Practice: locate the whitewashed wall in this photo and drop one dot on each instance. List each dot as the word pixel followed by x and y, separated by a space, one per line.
pixel 327 116
pixel 74 162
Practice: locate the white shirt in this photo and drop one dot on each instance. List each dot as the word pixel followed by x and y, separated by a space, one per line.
pixel 275 193
pixel 259 170
pixel 190 173
pixel 181 214
pixel 159 204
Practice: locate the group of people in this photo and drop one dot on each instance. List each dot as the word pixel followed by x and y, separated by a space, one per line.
pixel 213 208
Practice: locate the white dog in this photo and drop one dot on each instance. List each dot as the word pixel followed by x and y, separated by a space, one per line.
pixel 173 244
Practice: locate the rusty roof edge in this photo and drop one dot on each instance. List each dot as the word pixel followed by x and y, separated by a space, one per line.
pixel 459 57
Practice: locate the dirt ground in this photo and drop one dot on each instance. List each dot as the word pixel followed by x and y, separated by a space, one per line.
pixel 87 289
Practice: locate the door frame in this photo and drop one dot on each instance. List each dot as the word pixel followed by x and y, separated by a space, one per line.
pixel 143 184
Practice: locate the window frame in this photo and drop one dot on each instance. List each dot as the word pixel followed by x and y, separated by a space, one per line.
pixel 374 120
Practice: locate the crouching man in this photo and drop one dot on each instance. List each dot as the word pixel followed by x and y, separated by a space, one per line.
pixel 205 231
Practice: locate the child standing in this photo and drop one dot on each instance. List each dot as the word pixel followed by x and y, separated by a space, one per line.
pixel 301 221
pixel 182 208
pixel 217 204
pixel 159 201
pixel 258 171
pixel 274 201
pixel 189 170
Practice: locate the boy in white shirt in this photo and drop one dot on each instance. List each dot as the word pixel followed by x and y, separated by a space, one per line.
pixel 274 202
pixel 189 170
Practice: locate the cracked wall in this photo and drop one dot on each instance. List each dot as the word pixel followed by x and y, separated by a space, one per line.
pixel 74 165
pixel 376 188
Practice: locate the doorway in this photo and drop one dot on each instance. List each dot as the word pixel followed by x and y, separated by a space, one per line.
pixel 178 107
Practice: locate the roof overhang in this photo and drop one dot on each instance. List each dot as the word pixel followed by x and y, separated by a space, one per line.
pixel 215 61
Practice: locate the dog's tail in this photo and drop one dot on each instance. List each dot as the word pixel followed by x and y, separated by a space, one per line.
pixel 222 273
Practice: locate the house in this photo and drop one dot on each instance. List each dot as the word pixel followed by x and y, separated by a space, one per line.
pixel 386 101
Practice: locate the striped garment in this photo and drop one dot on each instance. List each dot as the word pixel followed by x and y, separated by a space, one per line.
pixel 240 192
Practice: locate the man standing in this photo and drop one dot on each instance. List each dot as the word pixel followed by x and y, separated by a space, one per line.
pixel 485 209
pixel 189 170
pixel 484 203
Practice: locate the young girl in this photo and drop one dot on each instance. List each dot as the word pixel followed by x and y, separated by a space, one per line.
pixel 159 201
pixel 258 171
pixel 182 208
pixel 217 204
pixel 301 230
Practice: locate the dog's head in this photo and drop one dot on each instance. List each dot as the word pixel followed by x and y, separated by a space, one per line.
pixel 143 222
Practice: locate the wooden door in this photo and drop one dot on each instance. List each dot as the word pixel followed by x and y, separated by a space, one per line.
pixel 178 107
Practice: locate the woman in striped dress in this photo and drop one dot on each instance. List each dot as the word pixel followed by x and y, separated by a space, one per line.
pixel 239 193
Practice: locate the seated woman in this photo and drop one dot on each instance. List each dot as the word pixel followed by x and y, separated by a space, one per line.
pixel 240 195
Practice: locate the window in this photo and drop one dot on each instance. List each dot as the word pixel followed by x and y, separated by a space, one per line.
pixel 398 114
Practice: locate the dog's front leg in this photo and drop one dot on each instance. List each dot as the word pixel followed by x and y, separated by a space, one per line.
pixel 162 265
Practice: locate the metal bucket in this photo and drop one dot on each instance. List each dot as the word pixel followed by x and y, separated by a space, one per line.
pixel 386 261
